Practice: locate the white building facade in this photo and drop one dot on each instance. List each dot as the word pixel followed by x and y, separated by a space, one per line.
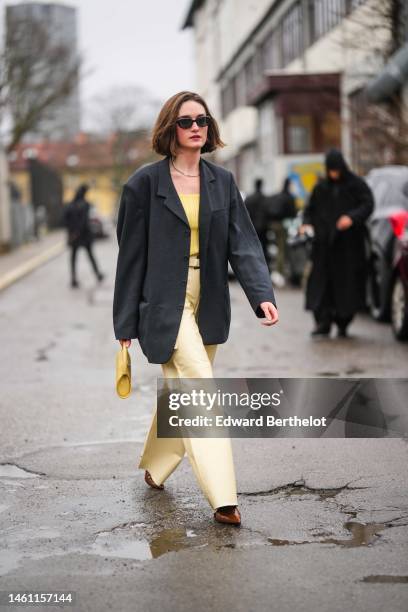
pixel 279 76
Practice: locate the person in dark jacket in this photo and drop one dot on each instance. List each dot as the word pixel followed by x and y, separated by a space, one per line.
pixel 256 206
pixel 282 206
pixel 181 220
pixel 337 210
pixel 79 232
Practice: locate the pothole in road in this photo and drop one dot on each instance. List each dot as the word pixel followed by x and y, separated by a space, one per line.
pixel 385 579
pixel 299 487
pixel 361 535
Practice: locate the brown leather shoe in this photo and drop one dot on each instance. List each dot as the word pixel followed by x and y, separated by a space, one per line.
pixel 228 514
pixel 149 480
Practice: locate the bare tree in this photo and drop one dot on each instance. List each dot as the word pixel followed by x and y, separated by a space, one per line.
pixel 125 114
pixel 36 72
pixel 123 109
pixel 379 130
pixel 377 27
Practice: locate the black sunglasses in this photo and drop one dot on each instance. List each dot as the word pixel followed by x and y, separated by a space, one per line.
pixel 187 122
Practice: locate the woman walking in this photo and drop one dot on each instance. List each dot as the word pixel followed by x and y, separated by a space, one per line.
pixel 180 221
pixel 76 220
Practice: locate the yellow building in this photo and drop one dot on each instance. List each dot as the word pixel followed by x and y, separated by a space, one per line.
pixel 103 164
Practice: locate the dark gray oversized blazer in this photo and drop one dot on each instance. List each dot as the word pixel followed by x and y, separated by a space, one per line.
pixel 154 245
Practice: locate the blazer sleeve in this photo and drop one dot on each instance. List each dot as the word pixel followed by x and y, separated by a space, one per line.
pixel 131 264
pixel 245 254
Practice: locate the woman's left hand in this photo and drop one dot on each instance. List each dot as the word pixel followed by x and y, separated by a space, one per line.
pixel 271 313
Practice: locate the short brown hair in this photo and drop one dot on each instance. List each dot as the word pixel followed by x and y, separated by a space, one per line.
pixel 164 139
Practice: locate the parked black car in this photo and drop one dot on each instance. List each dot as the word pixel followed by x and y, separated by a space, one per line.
pixel 387 282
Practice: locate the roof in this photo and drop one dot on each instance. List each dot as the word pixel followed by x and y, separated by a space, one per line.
pixel 83 153
pixel 275 83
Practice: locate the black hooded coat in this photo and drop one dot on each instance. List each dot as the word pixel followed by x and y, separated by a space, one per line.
pixel 339 261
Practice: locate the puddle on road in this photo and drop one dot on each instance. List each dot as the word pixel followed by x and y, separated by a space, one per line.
pixel 385 579
pixel 118 544
pixel 8 470
pixel 362 535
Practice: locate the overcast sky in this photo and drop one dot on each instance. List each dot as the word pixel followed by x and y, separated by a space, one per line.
pixel 133 42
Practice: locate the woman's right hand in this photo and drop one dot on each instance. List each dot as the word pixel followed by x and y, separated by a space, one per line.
pixel 125 342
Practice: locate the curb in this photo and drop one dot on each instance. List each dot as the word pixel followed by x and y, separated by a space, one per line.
pixel 23 269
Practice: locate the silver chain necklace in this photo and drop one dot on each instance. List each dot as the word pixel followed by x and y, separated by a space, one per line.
pixel 181 172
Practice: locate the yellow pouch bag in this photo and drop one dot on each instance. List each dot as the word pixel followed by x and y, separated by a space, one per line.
pixel 123 373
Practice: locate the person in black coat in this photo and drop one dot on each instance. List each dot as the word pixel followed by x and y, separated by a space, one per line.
pixel 337 210
pixel 256 206
pixel 79 232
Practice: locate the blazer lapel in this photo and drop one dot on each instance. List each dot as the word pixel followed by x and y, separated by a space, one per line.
pixel 207 204
pixel 167 190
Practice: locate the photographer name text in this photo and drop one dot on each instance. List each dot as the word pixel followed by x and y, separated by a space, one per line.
pixel 259 421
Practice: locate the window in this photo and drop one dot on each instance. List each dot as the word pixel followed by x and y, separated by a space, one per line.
pixel 292 34
pixel 330 130
pixel 270 51
pixel 258 66
pixel 228 97
pixel 299 134
pixel 326 14
pixel 240 88
pixel 250 76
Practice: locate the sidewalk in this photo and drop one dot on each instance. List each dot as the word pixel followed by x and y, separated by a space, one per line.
pixel 28 257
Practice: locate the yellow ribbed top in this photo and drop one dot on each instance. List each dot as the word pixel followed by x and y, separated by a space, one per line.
pixel 191 203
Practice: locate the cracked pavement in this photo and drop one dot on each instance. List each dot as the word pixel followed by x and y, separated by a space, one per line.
pixel 324 521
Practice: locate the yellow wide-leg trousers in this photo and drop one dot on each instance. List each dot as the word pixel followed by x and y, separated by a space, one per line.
pixel 210 458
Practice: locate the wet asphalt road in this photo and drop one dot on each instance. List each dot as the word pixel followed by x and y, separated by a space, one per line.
pixel 325 522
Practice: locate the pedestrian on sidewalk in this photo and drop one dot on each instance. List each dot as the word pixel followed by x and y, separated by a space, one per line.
pixel 256 205
pixel 180 220
pixel 282 205
pixel 337 210
pixel 79 232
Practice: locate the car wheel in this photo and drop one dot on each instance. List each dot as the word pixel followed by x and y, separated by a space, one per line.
pixel 378 306
pixel 399 310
